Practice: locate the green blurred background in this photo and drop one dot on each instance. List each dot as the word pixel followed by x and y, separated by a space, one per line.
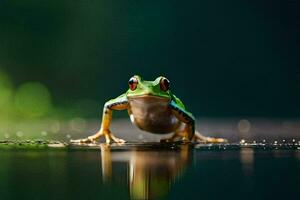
pixel 63 59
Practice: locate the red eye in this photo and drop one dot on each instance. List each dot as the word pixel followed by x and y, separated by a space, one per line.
pixel 133 83
pixel 164 84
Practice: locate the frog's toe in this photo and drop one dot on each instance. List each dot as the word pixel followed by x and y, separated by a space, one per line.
pixel 118 140
pixel 216 140
pixel 121 141
pixel 203 139
pixel 185 140
pixel 211 140
pixel 84 140
pixel 175 139
pixel 221 140
pixel 110 138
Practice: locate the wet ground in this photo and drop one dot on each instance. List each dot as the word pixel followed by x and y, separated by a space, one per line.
pixel 50 170
pixel 262 161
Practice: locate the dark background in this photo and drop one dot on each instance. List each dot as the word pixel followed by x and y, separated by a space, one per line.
pixel 224 58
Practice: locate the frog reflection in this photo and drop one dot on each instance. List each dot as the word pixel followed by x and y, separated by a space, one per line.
pixel 150 173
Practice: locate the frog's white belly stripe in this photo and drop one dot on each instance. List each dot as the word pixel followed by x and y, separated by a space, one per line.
pixel 152 114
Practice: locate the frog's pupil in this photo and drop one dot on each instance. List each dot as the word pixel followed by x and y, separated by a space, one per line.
pixel 164 84
pixel 132 83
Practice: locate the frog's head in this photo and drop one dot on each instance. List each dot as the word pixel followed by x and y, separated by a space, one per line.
pixel 139 87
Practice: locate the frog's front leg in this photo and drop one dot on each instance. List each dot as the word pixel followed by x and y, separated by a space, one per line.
pixel 119 103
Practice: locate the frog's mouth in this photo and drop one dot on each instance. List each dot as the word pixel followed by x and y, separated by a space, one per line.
pixel 149 97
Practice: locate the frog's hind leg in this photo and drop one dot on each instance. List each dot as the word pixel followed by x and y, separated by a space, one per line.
pixel 174 138
pixel 187 132
pixel 198 137
pixel 181 135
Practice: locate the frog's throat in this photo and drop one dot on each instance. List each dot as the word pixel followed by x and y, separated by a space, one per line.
pixel 152 114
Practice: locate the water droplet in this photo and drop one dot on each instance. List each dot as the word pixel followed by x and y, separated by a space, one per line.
pixel 294 140
pixel 68 136
pixel 242 141
pixel 264 141
pixel 275 142
pixel 6 135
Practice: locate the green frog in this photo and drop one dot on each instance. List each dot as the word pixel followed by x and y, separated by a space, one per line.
pixel 152 107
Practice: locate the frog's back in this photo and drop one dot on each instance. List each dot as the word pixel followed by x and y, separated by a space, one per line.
pixel 152 114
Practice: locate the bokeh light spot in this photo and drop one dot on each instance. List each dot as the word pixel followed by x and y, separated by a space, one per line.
pixel 6 135
pixel 44 133
pixel 77 124
pixel 244 126
pixel 20 134
pixel 33 99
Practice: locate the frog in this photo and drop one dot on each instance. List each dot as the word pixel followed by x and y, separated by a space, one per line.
pixel 153 108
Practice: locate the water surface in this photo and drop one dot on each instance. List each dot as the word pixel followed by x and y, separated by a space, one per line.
pixel 152 171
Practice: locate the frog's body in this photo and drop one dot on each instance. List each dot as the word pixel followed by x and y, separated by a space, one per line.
pixel 152 114
pixel 153 108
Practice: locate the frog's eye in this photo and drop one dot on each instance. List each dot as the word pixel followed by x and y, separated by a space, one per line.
pixel 133 83
pixel 164 84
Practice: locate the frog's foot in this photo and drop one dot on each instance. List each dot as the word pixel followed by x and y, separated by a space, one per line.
pixel 177 137
pixel 200 138
pixel 109 138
